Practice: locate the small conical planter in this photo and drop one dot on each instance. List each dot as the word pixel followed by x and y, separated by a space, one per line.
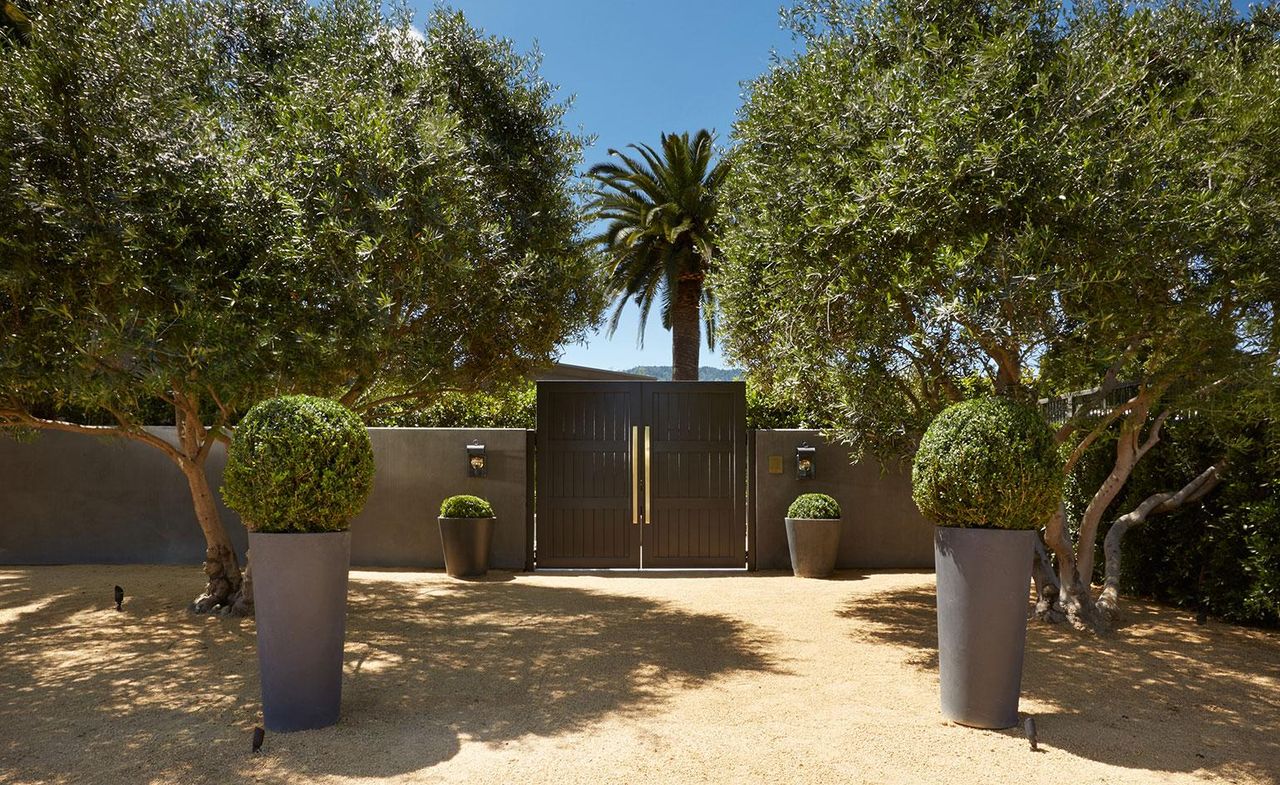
pixel 300 599
pixel 813 544
pixel 984 579
pixel 465 542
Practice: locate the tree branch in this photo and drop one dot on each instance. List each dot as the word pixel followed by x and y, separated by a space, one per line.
pixel 1072 597
pixel 1110 380
pixel 358 387
pixel 929 358
pixel 407 396
pixel 1153 436
pixel 1100 428
pixel 24 419
pixel 1155 504
pixel 1006 360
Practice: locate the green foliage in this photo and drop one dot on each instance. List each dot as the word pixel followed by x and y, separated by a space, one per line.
pixel 660 239
pixel 228 201
pixel 465 507
pixel 515 407
pixel 1018 192
pixel 1221 554
pixel 769 409
pixel 298 464
pixel 814 506
pixel 988 462
pixel 207 204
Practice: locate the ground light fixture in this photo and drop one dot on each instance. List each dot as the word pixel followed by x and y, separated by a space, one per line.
pixel 805 461
pixel 476 463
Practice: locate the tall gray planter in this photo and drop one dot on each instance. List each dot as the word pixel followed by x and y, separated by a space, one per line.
pixel 984 580
pixel 814 544
pixel 300 599
pixel 465 542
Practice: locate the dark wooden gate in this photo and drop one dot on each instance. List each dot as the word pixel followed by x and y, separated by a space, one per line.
pixel 641 474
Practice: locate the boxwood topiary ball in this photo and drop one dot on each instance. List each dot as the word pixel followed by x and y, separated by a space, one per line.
pixel 465 507
pixel 814 506
pixel 298 464
pixel 989 463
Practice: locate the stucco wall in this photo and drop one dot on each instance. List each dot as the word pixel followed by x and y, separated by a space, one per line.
pixel 67 498
pixel 882 529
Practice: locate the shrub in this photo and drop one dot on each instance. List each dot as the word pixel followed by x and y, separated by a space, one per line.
pixel 814 505
pixel 298 464
pixel 1221 555
pixel 465 507
pixel 773 408
pixel 514 407
pixel 988 462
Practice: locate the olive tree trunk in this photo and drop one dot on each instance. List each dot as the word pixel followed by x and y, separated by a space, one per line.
pixel 226 585
pixel 1062 596
pixel 1067 595
pixel 1109 600
pixel 227 588
pixel 686 329
pixel 1129 450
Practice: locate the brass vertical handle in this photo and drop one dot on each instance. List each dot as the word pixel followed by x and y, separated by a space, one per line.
pixel 635 475
pixel 648 480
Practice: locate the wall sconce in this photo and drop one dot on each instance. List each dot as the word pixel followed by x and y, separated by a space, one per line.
pixel 804 461
pixel 476 460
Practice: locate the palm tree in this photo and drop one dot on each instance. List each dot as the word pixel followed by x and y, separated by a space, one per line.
pixel 660 237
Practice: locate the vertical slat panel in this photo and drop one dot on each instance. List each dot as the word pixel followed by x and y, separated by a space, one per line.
pixel 700 436
pixel 584 469
pixel 583 480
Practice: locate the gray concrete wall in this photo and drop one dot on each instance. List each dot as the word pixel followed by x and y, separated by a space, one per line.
pixel 882 529
pixel 417 469
pixel 67 498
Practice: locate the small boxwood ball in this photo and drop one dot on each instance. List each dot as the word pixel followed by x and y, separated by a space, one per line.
pixel 988 463
pixel 298 464
pixel 465 507
pixel 814 505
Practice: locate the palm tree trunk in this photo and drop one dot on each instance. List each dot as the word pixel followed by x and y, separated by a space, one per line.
pixel 686 330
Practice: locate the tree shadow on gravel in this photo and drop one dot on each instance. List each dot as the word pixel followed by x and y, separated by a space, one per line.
pixel 152 694
pixel 1161 693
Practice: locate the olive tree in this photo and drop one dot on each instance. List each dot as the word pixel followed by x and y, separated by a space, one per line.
pixel 207 204
pixel 944 199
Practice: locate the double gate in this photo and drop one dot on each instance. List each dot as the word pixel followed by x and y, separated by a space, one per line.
pixel 641 475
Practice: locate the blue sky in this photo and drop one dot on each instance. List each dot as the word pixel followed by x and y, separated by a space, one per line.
pixel 638 69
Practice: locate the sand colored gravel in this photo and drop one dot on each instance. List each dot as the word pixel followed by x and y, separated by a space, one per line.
pixel 613 679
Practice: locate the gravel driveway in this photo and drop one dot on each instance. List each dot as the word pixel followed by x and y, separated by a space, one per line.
pixel 562 678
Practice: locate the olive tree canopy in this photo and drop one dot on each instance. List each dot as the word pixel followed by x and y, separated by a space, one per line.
pixel 942 199
pixel 209 203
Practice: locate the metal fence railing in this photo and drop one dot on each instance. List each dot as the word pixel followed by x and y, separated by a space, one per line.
pixel 1087 403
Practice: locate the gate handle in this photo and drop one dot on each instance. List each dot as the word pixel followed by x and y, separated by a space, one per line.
pixel 635 475
pixel 648 481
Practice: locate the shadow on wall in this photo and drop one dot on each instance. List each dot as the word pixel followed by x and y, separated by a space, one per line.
pixel 1160 694
pixel 155 694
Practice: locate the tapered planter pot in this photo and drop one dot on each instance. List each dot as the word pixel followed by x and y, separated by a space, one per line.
pixel 984 578
pixel 300 596
pixel 465 542
pixel 814 544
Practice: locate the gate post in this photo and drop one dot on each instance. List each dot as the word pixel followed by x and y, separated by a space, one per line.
pixel 752 559
pixel 530 469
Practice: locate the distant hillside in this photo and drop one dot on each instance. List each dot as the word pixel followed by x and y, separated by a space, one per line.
pixel 706 373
